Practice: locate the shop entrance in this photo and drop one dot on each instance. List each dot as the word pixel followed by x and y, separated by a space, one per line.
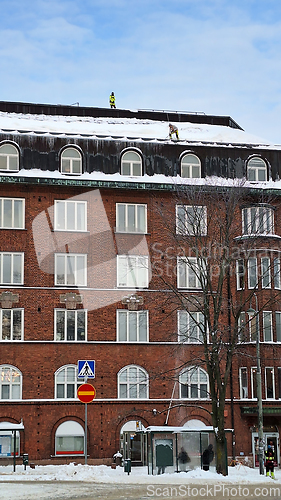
pixel 133 442
pixel 267 437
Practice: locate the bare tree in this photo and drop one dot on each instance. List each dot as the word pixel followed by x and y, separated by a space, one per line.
pixel 215 236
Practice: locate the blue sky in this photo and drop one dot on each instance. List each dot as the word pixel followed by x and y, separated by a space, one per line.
pixel 214 56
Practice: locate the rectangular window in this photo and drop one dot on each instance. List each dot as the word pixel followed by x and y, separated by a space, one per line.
pixel 132 271
pixel 252 273
pixel 257 220
pixel 243 378
pixel 11 324
pixel 12 213
pixel 191 220
pixel 132 326
pixel 277 274
pixel 70 325
pixel 190 327
pixel 267 326
pixel 242 328
pixel 265 272
pixel 254 382
pixel 253 327
pixel 11 268
pixel 131 218
pixel 70 215
pixel 70 269
pixel 278 326
pixel 279 382
pixel 190 272
pixel 269 383
pixel 240 274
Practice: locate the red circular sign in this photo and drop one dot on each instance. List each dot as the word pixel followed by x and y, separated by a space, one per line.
pixel 86 393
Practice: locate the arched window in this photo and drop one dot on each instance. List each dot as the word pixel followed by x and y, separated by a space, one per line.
pixel 71 161
pixel 190 166
pixel 11 382
pixel 9 158
pixel 256 170
pixel 69 439
pixel 131 164
pixel 66 384
pixel 133 383
pixel 193 383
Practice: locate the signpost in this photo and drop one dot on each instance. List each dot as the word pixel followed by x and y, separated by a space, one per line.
pixel 86 392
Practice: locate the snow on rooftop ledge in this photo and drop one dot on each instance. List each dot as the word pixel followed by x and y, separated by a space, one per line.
pixel 126 128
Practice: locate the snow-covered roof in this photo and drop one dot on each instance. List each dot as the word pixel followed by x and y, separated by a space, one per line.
pixel 127 129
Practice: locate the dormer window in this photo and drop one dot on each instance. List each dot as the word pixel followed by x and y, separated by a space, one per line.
pixel 190 167
pixel 71 161
pixel 9 158
pixel 131 164
pixel 256 170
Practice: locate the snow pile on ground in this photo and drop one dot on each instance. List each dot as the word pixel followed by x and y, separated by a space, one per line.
pixel 139 475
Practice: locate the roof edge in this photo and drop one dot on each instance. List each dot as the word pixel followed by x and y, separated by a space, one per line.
pixel 95 112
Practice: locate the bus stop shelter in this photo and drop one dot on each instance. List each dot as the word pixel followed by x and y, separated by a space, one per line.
pixel 8 440
pixel 166 445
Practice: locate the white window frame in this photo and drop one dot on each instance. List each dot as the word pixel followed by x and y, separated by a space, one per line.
pixel 133 227
pixel 257 172
pixel 257 220
pixel 253 378
pixel 240 274
pixel 66 313
pixel 265 272
pixel 244 391
pixel 266 369
pixel 75 383
pixel 10 156
pixel 185 379
pixel 192 221
pixel 133 164
pixel 3 208
pixel 267 315
pixel 67 158
pixel 242 327
pixel 76 204
pixel 252 277
pixel 132 271
pixel 142 379
pixel 277 273
pixel 278 325
pixel 189 268
pixel 13 372
pixel 192 164
pixel 137 315
pixel 12 313
pixel 3 266
pixel 77 280
pixel 194 320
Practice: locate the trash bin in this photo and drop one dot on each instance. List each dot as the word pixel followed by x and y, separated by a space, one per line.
pixel 127 465
pixel 25 460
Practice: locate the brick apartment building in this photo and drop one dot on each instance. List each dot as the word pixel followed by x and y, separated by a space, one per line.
pixel 90 221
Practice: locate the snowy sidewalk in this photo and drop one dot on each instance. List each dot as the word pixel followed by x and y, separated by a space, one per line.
pixel 101 482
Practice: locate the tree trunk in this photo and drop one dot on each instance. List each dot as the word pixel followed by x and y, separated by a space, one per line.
pixel 221 464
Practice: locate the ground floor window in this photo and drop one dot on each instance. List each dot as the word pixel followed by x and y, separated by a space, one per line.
pixel 69 439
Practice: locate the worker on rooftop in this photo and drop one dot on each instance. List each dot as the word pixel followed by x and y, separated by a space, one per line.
pixel 173 130
pixel 112 100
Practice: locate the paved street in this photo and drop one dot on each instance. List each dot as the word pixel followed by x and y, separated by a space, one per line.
pixel 93 491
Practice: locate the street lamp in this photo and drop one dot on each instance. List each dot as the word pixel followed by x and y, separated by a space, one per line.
pixel 259 386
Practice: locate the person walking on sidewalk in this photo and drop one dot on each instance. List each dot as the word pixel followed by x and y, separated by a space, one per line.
pixel 269 460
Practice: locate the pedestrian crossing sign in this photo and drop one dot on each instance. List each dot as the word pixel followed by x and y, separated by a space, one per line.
pixel 86 369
